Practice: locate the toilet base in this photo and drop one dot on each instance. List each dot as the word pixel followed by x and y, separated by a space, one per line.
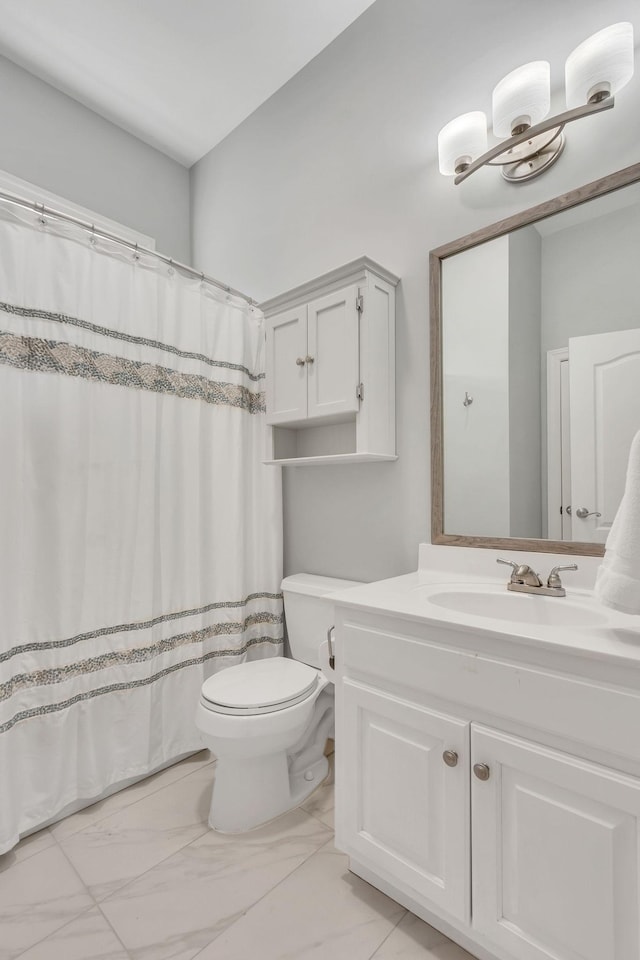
pixel 249 793
pixel 303 784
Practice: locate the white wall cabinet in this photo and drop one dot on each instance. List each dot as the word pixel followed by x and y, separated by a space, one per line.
pixel 448 800
pixel 330 368
pixel 286 381
pixel 313 362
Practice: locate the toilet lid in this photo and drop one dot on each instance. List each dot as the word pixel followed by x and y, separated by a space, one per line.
pixel 260 685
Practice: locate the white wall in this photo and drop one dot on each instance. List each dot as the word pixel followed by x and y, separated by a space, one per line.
pixel 525 431
pixel 591 277
pixel 475 345
pixel 53 141
pixel 491 349
pixel 342 162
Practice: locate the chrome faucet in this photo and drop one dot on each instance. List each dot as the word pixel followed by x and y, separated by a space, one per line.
pixel 525 580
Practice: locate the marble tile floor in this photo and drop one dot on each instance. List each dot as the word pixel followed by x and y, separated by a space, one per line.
pixel 140 876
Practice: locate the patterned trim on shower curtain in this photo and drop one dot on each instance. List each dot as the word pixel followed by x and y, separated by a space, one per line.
pixel 132 684
pixel 37 314
pixel 42 678
pixel 53 356
pixel 137 625
pixel 46 677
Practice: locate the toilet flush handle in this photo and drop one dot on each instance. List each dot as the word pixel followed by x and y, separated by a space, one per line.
pixel 332 658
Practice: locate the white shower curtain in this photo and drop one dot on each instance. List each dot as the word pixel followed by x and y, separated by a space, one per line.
pixel 140 534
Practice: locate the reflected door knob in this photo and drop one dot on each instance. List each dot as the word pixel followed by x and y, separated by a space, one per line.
pixel 481 771
pixel 582 513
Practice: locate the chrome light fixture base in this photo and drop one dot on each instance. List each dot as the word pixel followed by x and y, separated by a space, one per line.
pixel 533 157
pixel 540 145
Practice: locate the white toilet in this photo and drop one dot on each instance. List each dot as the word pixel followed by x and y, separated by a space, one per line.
pixel 267 721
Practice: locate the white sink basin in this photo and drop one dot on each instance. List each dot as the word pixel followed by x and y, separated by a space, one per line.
pixel 499 604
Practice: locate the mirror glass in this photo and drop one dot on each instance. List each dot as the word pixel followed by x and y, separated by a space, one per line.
pixel 540 374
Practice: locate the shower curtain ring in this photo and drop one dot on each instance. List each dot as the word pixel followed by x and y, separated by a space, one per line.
pixel 92 238
pixel 136 255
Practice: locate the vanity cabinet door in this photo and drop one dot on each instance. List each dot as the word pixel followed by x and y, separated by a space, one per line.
pixel 401 807
pixel 555 852
pixel 286 366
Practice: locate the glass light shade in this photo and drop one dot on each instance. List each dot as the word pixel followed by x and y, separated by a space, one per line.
pixel 461 141
pixel 523 96
pixel 603 61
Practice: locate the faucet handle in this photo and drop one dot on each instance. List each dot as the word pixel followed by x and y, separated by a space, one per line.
pixel 522 573
pixel 553 580
pixel 516 569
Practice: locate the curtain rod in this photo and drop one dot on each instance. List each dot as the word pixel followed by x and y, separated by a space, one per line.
pixel 113 238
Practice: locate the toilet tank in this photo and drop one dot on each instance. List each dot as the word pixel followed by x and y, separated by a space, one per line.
pixel 308 613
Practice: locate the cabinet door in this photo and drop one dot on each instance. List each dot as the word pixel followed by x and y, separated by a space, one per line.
pixel 334 346
pixel 400 806
pixel 555 853
pixel 286 379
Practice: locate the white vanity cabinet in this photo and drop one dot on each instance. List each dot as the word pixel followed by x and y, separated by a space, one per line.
pixel 495 796
pixel 555 852
pixel 407 808
pixel 330 368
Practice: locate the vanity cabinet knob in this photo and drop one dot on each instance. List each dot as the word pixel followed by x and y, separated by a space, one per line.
pixel 450 757
pixel 301 361
pixel 481 771
pixel 309 359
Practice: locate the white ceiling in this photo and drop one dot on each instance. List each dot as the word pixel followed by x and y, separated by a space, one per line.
pixel 179 75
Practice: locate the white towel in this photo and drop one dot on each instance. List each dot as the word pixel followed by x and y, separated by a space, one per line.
pixel 618 579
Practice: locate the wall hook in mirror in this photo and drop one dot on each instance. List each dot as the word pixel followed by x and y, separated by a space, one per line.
pixel 468 400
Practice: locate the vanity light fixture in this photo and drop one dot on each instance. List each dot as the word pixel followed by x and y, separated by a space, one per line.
pixel 594 72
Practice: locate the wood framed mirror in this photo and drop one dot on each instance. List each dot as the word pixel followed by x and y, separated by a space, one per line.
pixel 535 372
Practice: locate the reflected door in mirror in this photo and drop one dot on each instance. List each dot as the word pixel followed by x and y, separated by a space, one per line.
pixel 604 388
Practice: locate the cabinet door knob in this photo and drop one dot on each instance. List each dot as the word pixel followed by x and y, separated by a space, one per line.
pixel 481 771
pixel 450 757
pixel 309 359
pixel 301 361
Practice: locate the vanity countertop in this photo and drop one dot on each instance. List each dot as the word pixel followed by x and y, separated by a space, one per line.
pixel 577 624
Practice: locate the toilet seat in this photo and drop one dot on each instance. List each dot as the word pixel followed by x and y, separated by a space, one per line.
pixel 260 686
